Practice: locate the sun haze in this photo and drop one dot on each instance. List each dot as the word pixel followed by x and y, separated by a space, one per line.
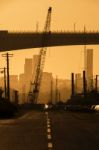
pixel 20 15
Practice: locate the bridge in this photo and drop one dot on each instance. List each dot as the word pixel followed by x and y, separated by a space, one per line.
pixel 25 40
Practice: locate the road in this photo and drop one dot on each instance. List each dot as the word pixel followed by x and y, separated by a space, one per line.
pixel 24 133
pixel 73 131
pixel 37 130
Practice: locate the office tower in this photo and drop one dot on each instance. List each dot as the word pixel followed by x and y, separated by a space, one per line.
pixel 34 66
pixel 88 60
pixel 14 82
pixel 22 89
pixel 27 73
pixel 21 82
pixel 28 68
pixel 78 83
pixel 1 82
pixel 45 89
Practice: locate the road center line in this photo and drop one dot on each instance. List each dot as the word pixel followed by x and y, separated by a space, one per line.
pixel 48 125
pixel 48 130
pixel 49 136
pixel 50 145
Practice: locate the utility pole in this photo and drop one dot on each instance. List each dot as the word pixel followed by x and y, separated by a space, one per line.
pixel 91 84
pixel 37 26
pixel 8 79
pixel 5 82
pixel 51 100
pixel 85 41
pixel 59 96
pixel 5 88
pixel 96 83
pixel 56 94
pixel 74 27
pixel 84 84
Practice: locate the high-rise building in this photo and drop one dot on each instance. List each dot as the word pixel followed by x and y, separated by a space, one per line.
pixel 22 89
pixel 21 82
pixel 34 66
pixel 88 60
pixel 78 83
pixel 45 88
pixel 2 82
pixel 14 82
pixel 28 68
pixel 27 73
pixel 27 77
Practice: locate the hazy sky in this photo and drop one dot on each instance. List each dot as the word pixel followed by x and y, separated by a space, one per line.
pixel 22 15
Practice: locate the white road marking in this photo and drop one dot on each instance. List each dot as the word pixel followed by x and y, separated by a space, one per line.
pixel 48 119
pixel 50 145
pixel 49 136
pixel 48 122
pixel 48 125
pixel 46 113
pixel 48 130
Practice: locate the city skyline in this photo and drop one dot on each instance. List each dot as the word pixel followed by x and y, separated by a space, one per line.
pixel 60 61
pixel 49 96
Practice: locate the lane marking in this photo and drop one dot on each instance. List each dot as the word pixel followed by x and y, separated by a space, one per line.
pixel 46 113
pixel 48 130
pixel 48 122
pixel 49 136
pixel 50 145
pixel 48 126
pixel 48 119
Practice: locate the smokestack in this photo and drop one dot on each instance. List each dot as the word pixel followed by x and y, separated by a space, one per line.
pixel 72 85
pixel 84 84
pixel 96 83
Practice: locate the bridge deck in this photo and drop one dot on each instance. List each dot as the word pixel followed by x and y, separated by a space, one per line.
pixel 24 40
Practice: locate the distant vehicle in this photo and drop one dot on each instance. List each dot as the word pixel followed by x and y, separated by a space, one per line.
pixel 95 107
pixel 48 106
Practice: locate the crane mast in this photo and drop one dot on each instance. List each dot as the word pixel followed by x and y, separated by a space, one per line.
pixel 41 60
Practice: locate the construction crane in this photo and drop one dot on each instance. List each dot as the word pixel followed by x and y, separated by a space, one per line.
pixel 35 86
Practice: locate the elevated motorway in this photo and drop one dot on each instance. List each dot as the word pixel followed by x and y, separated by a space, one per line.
pixel 25 40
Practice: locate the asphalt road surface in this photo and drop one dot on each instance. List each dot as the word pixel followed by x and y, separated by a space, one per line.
pixel 37 130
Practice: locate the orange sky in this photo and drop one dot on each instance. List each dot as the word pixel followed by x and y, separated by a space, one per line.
pixel 24 14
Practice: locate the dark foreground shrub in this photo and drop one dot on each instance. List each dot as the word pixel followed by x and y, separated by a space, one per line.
pixel 7 109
